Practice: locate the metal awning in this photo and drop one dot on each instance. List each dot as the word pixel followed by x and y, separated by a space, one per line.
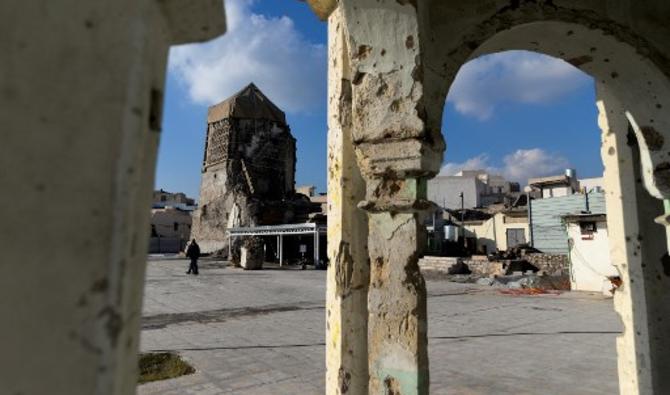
pixel 276 230
pixel 316 230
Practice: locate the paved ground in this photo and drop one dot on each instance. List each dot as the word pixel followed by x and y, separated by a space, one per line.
pixel 262 332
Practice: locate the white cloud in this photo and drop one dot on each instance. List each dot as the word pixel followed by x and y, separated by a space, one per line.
pixel 518 166
pixel 485 83
pixel 268 51
pixel 479 162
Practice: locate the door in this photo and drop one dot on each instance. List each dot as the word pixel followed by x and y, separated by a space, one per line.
pixel 515 236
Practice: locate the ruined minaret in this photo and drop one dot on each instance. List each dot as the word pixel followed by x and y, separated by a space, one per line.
pixel 248 168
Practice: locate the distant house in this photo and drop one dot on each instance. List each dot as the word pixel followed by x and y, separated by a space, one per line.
pixel 547 229
pixel 171 219
pixel 504 229
pixel 588 245
pixel 555 186
pixel 596 184
pixel 479 189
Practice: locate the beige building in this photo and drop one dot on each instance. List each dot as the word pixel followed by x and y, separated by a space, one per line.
pixel 171 218
pixel 170 230
pixel 505 229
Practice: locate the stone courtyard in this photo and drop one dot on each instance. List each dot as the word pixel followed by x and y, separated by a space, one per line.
pixel 262 332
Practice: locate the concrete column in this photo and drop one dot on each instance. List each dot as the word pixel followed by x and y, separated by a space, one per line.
pixel 398 145
pixel 638 250
pixel 349 269
pixel 82 90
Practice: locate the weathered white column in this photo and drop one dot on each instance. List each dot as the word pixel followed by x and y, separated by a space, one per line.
pixel 349 268
pixel 80 108
pixel 398 146
pixel 638 250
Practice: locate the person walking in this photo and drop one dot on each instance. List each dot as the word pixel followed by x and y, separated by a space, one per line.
pixel 193 253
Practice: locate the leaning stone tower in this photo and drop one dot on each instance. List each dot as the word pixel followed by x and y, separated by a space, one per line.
pixel 248 168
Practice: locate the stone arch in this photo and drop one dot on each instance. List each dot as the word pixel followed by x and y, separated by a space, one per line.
pixel 633 89
pixel 634 71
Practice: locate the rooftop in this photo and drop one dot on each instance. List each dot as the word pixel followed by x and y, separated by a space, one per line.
pixel 249 103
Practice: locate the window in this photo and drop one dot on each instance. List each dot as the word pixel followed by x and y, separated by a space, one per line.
pixel 587 227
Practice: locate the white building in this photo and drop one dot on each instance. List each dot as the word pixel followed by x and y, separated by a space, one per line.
pixel 555 186
pixel 590 264
pixel 478 187
pixel 595 184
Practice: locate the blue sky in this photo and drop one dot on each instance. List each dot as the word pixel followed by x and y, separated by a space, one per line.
pixel 516 113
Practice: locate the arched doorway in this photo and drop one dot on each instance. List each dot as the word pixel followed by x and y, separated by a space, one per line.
pixel 400 58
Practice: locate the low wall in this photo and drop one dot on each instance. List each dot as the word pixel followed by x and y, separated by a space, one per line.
pixel 166 245
pixel 481 266
pixel 444 264
pixel 552 264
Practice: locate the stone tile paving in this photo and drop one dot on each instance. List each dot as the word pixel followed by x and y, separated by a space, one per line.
pixel 262 332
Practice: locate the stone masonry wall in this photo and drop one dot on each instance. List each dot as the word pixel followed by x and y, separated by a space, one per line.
pixel 553 264
pixel 249 166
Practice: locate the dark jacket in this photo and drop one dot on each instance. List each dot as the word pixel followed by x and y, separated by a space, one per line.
pixel 193 251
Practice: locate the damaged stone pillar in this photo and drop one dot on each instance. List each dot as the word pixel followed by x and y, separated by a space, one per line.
pixel 638 250
pixel 81 107
pixel 398 145
pixel 349 269
pixel 252 253
pixel 397 336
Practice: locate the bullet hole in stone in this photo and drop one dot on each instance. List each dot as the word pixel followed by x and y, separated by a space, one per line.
pixel 205 28
pixel 659 106
pixel 409 42
pixel 358 78
pixel 383 87
pixel 611 151
pixel 391 386
pixel 593 49
pixel 569 33
pixel 652 137
pixel 343 380
pixel 137 111
pixel 614 74
pixel 606 60
pixel 363 51
pixel 89 24
pixel 383 52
